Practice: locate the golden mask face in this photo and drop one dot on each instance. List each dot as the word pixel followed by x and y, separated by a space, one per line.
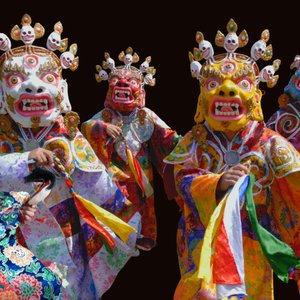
pixel 229 96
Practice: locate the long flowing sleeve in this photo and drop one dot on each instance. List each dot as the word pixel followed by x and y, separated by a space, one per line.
pixel 14 167
pixel 285 209
pixel 94 131
pixel 162 142
pixel 198 187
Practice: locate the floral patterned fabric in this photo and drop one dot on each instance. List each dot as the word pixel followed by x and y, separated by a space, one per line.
pixel 57 235
pixel 199 162
pixel 22 275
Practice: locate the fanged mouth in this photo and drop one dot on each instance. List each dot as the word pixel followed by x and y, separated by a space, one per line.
pixel 29 105
pixel 227 109
pixel 122 95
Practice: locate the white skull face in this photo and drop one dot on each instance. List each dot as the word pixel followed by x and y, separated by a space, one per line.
pixel 35 91
pixel 144 66
pixel 258 50
pixel 27 34
pixel 103 75
pixel 148 79
pixel 110 63
pixel 66 59
pixel 128 59
pixel 206 49
pixel 5 43
pixel 53 41
pixel 195 69
pixel 231 42
pixel 266 74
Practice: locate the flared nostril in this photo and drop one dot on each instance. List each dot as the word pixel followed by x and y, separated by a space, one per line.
pixel 221 93
pixel 231 93
pixel 27 90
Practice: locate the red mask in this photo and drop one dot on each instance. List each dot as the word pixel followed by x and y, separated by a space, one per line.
pixel 125 91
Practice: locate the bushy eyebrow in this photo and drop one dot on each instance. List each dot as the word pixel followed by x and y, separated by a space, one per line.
pixel 246 70
pixel 48 66
pixel 209 71
pixel 14 68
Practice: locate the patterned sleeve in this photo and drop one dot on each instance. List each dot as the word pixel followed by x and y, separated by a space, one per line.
pixel 13 169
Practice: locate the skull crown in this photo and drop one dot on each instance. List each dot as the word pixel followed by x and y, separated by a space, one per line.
pixel 230 42
pixel 128 57
pixel 28 34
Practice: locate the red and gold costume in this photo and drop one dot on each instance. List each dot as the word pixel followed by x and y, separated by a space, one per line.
pixel 144 138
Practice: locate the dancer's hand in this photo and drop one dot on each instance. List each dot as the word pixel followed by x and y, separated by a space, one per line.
pixel 231 176
pixel 28 211
pixel 42 157
pixel 113 130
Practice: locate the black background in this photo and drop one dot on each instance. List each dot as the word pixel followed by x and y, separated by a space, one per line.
pixel 166 32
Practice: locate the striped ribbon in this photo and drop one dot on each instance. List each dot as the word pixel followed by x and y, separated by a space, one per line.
pixel 90 213
pixel 280 256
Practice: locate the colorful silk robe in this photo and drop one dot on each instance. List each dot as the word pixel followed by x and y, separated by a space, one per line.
pixel 22 275
pixel 286 122
pixel 199 160
pixel 57 234
pixel 147 139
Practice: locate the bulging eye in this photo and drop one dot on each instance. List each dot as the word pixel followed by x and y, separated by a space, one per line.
pixel 14 79
pixel 212 84
pixel 114 80
pixel 50 78
pixel 134 83
pixel 245 84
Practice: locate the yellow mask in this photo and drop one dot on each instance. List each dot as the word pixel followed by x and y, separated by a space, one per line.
pixel 229 83
pixel 229 96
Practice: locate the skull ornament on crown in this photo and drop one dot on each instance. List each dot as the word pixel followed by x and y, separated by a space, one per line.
pixel 126 82
pixel 32 89
pixel 229 82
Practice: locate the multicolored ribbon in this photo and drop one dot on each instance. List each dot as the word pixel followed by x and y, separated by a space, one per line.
pixel 90 213
pixel 137 171
pixel 221 259
pixel 280 256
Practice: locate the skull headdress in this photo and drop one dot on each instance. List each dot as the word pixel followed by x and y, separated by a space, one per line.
pixel 32 89
pixel 126 82
pixel 229 82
